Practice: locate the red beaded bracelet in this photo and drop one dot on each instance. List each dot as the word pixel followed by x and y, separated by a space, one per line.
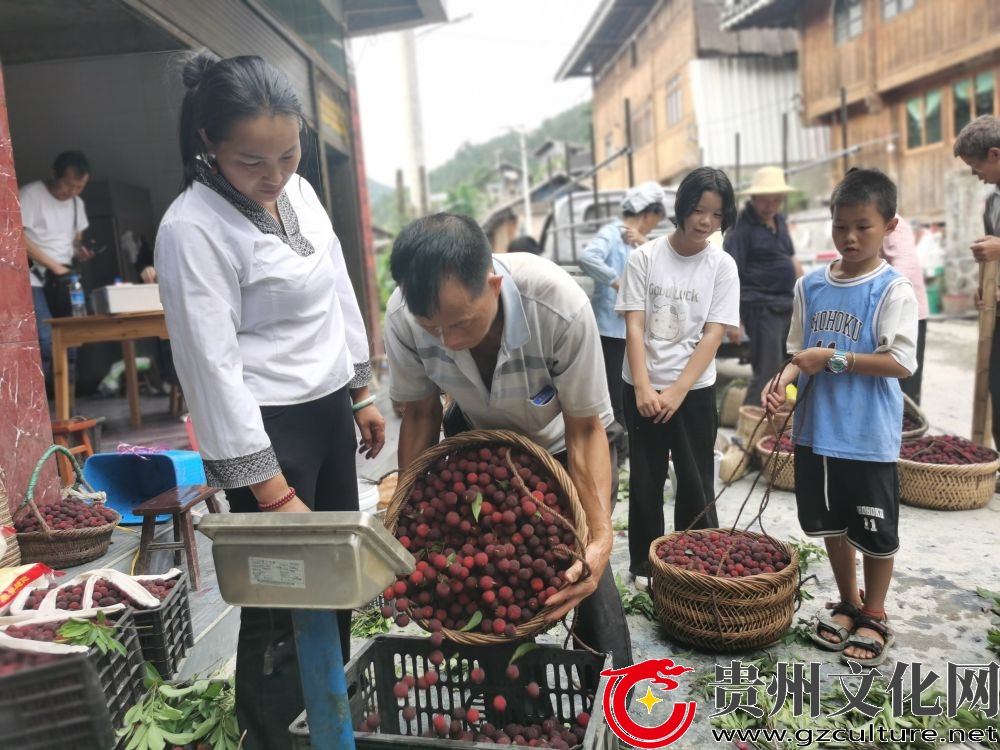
pixel 283 500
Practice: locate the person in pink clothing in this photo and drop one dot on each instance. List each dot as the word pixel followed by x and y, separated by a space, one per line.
pixel 899 248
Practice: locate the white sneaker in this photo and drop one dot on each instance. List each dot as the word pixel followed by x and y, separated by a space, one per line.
pixel 641 583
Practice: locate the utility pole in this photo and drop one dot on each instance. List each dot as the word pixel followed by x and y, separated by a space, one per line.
pixel 413 124
pixel 525 182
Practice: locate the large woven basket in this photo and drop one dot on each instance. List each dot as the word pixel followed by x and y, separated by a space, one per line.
pixel 723 614
pixel 732 399
pixel 12 555
pixel 752 425
pixel 62 548
pixel 478 439
pixel 778 466
pixel 947 486
pixel 911 410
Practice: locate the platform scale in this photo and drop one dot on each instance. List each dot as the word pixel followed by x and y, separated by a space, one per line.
pixel 313 564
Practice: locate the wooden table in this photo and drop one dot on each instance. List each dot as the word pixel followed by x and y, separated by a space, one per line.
pixel 90 329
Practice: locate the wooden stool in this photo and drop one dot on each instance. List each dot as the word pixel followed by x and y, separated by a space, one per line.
pixel 177 403
pixel 77 432
pixel 178 503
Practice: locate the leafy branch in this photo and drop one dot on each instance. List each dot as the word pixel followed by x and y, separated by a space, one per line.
pixel 200 714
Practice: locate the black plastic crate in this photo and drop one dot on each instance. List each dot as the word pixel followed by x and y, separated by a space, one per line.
pixel 55 706
pixel 165 632
pixel 121 675
pixel 570 681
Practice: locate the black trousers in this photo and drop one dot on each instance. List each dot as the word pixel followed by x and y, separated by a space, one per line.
pixel 689 438
pixel 315 444
pixel 56 291
pixel 995 383
pixel 911 385
pixel 614 355
pixel 600 618
pixel 767 328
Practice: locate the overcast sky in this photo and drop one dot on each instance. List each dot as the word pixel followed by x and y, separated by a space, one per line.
pixel 478 77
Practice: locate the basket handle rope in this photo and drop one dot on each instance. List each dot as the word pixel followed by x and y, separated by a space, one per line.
pixel 774 456
pixel 29 495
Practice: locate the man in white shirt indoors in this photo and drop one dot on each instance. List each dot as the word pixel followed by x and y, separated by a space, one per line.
pixel 54 220
pixel 514 342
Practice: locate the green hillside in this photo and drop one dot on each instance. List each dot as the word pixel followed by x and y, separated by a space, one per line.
pixel 474 163
pixel 473 166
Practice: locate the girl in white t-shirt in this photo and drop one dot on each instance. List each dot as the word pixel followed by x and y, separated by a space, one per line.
pixel 678 294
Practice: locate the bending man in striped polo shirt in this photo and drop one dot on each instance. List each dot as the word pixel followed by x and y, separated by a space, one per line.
pixel 513 340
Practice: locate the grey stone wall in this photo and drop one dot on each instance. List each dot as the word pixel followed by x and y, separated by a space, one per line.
pixel 965 197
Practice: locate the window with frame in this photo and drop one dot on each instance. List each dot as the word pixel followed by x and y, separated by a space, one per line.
pixel 674 104
pixel 923 119
pixel 891 8
pixel 848 20
pixel 971 98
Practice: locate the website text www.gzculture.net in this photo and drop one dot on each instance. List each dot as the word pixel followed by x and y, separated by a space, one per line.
pixel 805 737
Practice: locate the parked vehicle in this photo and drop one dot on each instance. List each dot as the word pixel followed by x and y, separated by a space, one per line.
pixel 574 220
pixel 811 234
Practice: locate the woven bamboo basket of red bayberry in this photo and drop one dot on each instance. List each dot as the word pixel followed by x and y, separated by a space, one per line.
pixel 778 463
pixel 69 533
pixel 946 472
pixel 915 422
pixel 723 589
pixel 494 523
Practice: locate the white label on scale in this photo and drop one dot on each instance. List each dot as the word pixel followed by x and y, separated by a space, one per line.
pixel 273 572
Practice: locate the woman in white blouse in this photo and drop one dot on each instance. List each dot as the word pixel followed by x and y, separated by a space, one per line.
pixel 268 341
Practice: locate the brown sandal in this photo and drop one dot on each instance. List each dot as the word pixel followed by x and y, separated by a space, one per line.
pixel 881 650
pixel 823 623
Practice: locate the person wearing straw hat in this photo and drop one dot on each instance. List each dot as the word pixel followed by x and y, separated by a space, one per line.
pixel 604 261
pixel 765 257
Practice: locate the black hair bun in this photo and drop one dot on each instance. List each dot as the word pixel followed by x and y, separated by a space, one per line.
pixel 196 66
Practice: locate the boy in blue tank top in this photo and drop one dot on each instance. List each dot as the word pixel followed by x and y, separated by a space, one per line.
pixel 854 331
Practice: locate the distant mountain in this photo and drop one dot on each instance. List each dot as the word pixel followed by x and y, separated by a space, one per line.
pixel 377 191
pixel 476 163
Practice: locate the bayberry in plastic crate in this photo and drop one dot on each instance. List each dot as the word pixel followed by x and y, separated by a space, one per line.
pixel 58 705
pixel 121 675
pixel 569 683
pixel 165 632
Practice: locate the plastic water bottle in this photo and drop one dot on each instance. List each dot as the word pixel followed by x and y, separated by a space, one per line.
pixel 77 300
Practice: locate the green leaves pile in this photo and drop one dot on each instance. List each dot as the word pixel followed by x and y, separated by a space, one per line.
pixel 638 603
pixel 368 623
pixel 96 632
pixel 993 634
pixel 201 714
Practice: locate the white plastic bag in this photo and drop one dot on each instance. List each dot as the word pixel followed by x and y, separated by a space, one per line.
pixel 17 583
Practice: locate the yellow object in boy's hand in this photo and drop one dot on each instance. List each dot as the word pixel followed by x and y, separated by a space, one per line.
pixel 791 391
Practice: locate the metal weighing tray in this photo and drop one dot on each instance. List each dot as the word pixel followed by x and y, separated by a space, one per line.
pixel 323 560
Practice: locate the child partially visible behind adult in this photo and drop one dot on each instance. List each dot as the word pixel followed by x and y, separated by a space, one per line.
pixel 854 332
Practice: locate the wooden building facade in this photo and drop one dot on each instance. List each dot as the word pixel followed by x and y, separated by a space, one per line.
pixel 680 93
pixel 908 73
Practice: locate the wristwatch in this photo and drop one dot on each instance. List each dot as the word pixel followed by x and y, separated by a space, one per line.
pixel 837 363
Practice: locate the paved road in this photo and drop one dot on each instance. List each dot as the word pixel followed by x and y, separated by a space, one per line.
pixel 944 556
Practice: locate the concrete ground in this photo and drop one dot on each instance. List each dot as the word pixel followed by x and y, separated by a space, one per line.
pixel 944 557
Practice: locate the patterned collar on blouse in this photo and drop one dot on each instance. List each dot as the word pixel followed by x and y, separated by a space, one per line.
pixel 255 212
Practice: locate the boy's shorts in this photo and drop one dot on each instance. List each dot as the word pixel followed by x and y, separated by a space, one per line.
pixel 845 496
